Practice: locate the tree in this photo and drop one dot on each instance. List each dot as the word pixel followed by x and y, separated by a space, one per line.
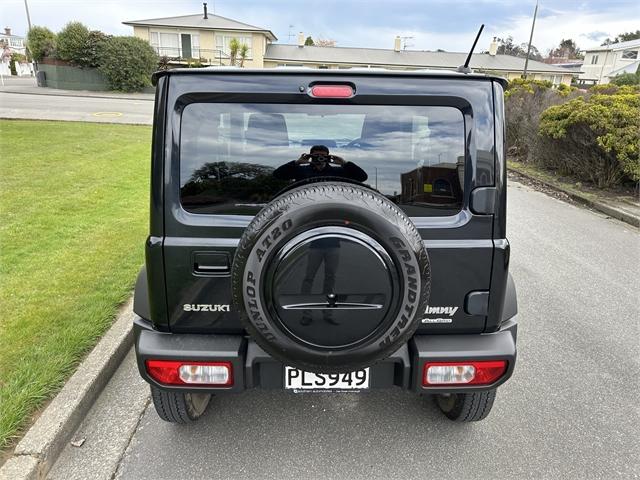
pixel 244 50
pixel 234 48
pixel 41 42
pixel 566 49
pixel 623 37
pixel 309 42
pixel 507 47
pixel 72 41
pixel 325 43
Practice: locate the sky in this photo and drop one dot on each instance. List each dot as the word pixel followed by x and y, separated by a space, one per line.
pixel 446 24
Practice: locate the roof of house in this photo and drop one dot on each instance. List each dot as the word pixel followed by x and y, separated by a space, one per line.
pixel 212 22
pixel 616 46
pixel 631 68
pixel 403 58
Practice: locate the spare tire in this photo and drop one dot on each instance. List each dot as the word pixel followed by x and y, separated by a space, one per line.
pixel 331 278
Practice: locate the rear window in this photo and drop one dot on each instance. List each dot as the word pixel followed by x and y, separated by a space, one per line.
pixel 234 158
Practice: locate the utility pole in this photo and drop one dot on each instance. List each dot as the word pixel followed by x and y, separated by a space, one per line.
pixel 533 26
pixel 291 34
pixel 26 7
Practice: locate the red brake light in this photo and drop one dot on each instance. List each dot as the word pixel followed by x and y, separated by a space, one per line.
pixel 463 373
pixel 175 372
pixel 332 91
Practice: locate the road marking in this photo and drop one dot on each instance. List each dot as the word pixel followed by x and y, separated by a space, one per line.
pixel 107 114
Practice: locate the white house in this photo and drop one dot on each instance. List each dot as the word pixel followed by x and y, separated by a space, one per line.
pixel 14 42
pixel 603 63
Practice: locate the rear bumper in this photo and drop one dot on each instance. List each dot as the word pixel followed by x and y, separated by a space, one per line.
pixel 254 368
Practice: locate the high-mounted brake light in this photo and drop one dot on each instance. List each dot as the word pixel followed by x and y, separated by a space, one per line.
pixel 332 91
pixel 173 372
pixel 463 373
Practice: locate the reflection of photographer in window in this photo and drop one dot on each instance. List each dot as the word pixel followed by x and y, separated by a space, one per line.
pixel 319 163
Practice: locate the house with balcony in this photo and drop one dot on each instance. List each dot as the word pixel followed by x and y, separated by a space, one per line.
pixel 604 63
pixel 203 37
pixel 16 43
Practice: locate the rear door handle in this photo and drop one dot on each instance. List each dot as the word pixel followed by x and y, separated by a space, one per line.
pixel 211 263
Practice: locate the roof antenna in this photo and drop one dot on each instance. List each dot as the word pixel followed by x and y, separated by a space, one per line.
pixel 465 68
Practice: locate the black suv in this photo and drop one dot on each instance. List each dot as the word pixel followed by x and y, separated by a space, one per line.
pixel 326 231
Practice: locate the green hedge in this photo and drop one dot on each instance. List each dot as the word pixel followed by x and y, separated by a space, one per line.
pixel 127 63
pixel 41 42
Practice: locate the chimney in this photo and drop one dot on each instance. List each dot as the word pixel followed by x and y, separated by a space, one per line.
pixel 301 39
pixel 493 47
pixel 206 15
pixel 7 31
pixel 397 44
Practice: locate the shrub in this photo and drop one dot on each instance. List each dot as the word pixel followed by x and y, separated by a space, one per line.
pixel 91 54
pixel 626 79
pixel 525 100
pixel 127 63
pixel 41 42
pixel 72 41
pixel 595 138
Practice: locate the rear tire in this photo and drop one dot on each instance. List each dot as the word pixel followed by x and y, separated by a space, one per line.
pixel 179 407
pixel 466 407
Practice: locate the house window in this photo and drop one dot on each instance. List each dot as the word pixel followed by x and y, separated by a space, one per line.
pixel 630 54
pixel 556 80
pixel 594 59
pixel 223 42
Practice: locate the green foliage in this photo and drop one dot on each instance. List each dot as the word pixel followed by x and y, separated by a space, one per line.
pixel 244 50
pixel 16 58
pixel 623 37
pixel 596 137
pixel 524 85
pixel 309 42
pixel 72 41
pixel 127 63
pixel 91 54
pixel 41 42
pixel 626 79
pixel 234 47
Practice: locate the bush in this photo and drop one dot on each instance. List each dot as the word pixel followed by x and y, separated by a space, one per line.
pixel 525 100
pixel 595 138
pixel 72 41
pixel 127 63
pixel 91 54
pixel 41 42
pixel 626 79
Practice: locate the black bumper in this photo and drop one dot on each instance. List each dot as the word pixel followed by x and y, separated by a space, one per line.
pixel 253 368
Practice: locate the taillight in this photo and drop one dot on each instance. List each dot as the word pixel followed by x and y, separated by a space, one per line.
pixel 173 372
pixel 463 373
pixel 332 91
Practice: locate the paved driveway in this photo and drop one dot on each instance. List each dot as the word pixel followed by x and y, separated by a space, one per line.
pixel 570 411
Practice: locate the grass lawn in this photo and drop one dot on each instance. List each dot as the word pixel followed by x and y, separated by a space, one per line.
pixel 73 219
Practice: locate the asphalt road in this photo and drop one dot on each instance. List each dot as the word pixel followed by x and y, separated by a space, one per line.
pixel 76 108
pixel 570 411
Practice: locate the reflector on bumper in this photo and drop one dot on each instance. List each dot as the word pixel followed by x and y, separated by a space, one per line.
pixel 463 373
pixel 172 372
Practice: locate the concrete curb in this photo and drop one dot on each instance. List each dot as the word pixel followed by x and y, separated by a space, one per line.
pixel 599 206
pixel 45 440
pixel 148 98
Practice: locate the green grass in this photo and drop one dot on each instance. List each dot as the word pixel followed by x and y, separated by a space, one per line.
pixel 73 218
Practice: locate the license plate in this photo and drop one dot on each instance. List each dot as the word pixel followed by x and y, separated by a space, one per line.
pixel 299 380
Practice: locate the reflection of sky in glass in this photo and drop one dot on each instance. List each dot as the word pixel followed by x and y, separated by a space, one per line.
pixel 387 140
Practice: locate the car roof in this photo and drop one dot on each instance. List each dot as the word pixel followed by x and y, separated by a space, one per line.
pixel 452 74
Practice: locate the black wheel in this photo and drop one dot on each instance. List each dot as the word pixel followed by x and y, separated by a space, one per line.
pixel 331 277
pixel 466 407
pixel 179 407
